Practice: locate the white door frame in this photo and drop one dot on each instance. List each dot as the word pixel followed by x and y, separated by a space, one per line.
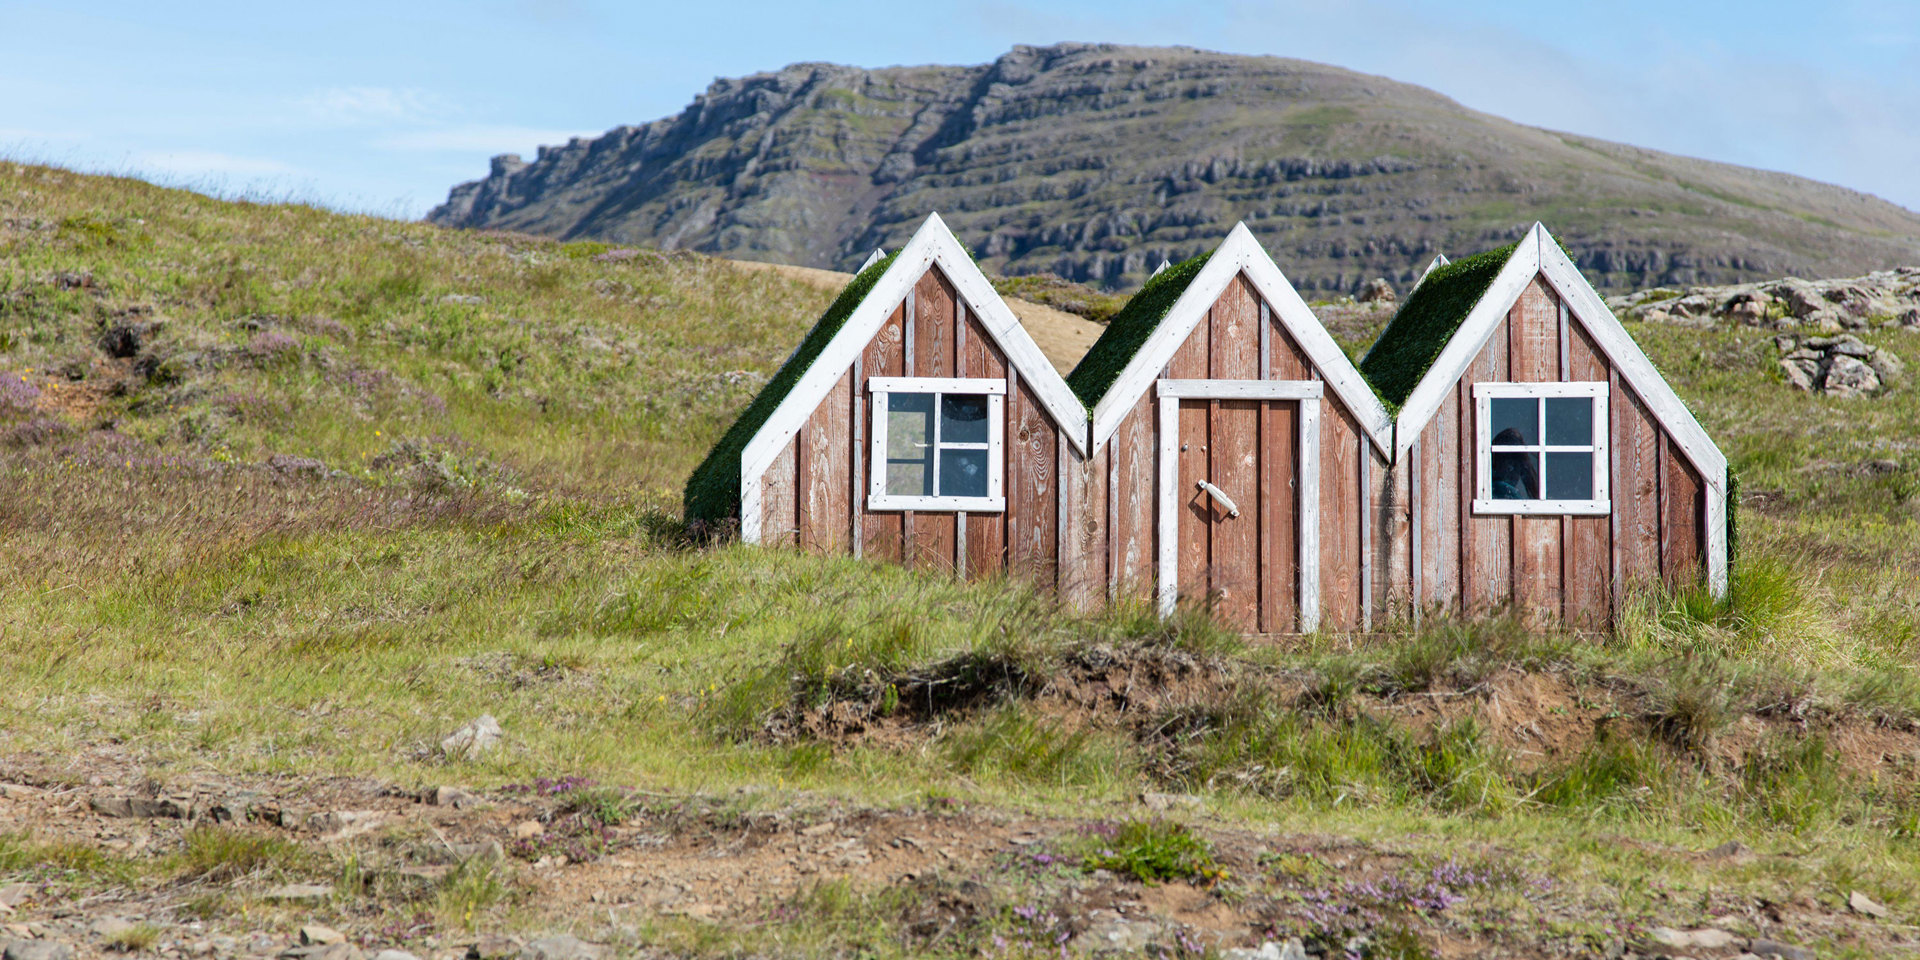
pixel 1307 538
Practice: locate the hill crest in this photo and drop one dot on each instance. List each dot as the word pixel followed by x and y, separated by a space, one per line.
pixel 1095 162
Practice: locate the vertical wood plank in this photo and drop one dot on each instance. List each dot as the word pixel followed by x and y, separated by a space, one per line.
pixel 882 532
pixel 1445 448
pixel 1339 509
pixel 1280 517
pixel 1194 508
pixel 825 508
pixel 1032 500
pixel 1589 563
pixel 1234 559
pixel 856 458
pixel 1534 344
pixel 779 525
pixel 986 539
pixel 1193 542
pixel 1636 487
pixel 1680 562
pixel 1135 446
pixel 934 535
pixel 1491 581
pixel 1235 343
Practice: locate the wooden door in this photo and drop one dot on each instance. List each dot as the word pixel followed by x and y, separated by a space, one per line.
pixel 1237 501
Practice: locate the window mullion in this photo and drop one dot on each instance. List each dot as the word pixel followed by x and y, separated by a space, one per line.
pixel 934 463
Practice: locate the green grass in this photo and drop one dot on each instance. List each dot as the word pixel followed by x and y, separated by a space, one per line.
pixel 504 536
pixel 1150 851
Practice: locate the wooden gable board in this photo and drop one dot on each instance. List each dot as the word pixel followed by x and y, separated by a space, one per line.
pixel 1539 254
pixel 1241 251
pixel 932 245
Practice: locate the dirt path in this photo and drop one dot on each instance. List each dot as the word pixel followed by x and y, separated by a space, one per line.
pixel 1062 336
pixel 97 856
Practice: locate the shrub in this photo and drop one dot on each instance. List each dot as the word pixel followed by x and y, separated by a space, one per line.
pixel 226 853
pixel 1151 851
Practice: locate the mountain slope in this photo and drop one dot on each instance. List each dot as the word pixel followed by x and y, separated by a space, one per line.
pixel 1096 162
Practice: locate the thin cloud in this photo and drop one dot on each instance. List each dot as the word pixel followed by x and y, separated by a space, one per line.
pixel 201 163
pixel 362 106
pixel 472 138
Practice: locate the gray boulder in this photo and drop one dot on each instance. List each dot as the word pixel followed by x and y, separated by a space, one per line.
pixel 1847 376
pixel 37 950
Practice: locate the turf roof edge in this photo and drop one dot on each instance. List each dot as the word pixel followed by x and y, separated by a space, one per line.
pixel 712 492
pixel 1130 329
pixel 1423 326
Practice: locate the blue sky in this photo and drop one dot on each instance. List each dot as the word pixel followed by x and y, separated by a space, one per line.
pixel 383 106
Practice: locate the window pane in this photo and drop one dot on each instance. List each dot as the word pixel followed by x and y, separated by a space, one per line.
pixel 1569 422
pixel 1516 476
pixel 963 418
pixel 1516 421
pixel 1569 476
pixel 963 473
pixel 910 444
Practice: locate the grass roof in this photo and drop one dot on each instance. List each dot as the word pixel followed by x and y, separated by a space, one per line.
pixel 713 491
pixel 1420 330
pixel 1129 329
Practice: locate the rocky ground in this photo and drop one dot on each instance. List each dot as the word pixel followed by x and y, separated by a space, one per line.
pixel 359 866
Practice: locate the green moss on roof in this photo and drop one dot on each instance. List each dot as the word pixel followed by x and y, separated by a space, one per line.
pixel 1424 324
pixel 1129 329
pixel 713 491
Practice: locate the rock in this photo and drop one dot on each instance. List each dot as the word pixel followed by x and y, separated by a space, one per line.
pixel 317 934
pixel 392 954
pixel 344 824
pixel 1911 318
pixel 454 797
pixel 37 950
pixel 1801 372
pixel 288 465
pixel 141 807
pixel 1848 345
pixel 1731 850
pixel 1271 950
pixel 474 740
pixel 1108 932
pixel 15 894
pixel 1862 904
pixel 463 299
pixel 563 947
pixel 1161 802
pixel 1846 376
pixel 528 829
pixel 323 951
pixel 494 948
pixel 1801 297
pixel 482 850
pixel 1377 290
pixel 1783 951
pixel 1707 938
pixel 1887 366
pixel 111 929
pixel 299 892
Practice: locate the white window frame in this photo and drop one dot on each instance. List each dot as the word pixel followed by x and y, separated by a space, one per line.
pixel 880 388
pixel 1483 501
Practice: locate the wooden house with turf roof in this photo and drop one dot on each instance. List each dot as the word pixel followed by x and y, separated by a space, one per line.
pixel 1541 462
pixel 1240 447
pixel 917 421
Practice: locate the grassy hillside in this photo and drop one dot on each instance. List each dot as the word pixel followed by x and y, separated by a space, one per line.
pixel 287 496
pixel 1097 161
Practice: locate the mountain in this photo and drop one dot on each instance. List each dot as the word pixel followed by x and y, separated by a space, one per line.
pixel 1096 162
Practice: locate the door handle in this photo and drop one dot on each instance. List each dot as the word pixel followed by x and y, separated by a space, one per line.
pixel 1219 495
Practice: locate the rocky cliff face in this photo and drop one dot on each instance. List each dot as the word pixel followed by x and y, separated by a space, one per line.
pixel 1096 162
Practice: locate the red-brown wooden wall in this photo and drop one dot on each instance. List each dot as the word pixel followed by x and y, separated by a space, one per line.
pixel 1440 556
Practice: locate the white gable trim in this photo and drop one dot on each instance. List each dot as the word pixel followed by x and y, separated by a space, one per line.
pixel 1538 254
pixel 932 245
pixel 1241 251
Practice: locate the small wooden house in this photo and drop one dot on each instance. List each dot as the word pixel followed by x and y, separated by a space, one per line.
pixel 1541 461
pixel 1504 443
pixel 1239 445
pixel 917 422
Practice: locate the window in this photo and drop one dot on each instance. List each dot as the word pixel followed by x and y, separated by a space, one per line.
pixel 936 444
pixel 1541 448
